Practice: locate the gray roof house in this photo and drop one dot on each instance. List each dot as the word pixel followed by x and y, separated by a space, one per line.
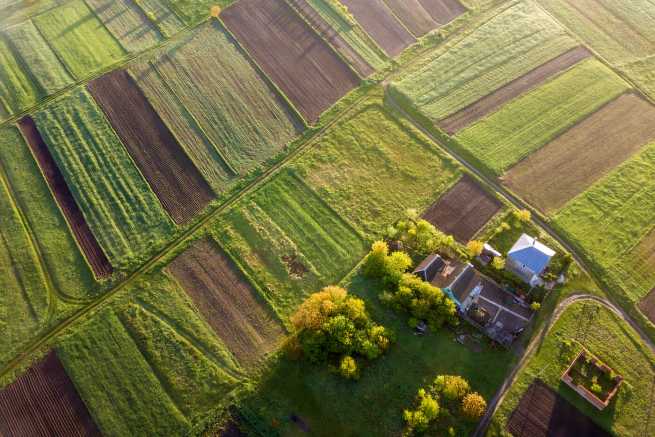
pixel 528 259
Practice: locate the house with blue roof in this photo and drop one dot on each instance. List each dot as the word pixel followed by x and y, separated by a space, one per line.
pixel 528 259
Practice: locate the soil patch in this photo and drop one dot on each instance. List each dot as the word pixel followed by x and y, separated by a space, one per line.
pixel 570 164
pixel 413 15
pixel 44 402
pixel 291 53
pixel 171 174
pixel 87 242
pixel 488 104
pixel 227 301
pixel 463 210
pixel 443 11
pixel 295 267
pixel 378 20
pixel 647 305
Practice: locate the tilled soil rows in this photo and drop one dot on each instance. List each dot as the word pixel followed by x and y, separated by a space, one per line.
pixel 171 174
pixel 463 210
pixel 227 301
pixel 413 15
pixel 94 254
pixel 44 402
pixel 443 11
pixel 488 104
pixel 570 164
pixel 305 68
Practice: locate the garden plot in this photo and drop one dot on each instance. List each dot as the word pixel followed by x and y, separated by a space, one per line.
pixel 44 401
pixel 162 16
pixel 124 214
pixel 127 23
pixel 413 16
pixel 463 210
pixel 227 301
pixel 78 38
pixel 570 164
pixel 443 11
pixel 172 176
pixel 489 103
pixel 18 91
pixel 287 49
pixel 290 242
pixel 527 123
pixel 62 194
pixel 503 49
pixel 378 20
pixel 220 108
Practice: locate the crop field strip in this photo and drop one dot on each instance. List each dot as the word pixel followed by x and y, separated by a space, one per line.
pixel 172 176
pixel 503 49
pixel 601 142
pixel 378 21
pixel 44 401
pixel 94 254
pixel 529 81
pixel 305 68
pixel 412 14
pixel 443 11
pixel 227 301
pixel 220 108
pixel 162 16
pixel 527 123
pixel 121 210
pixel 463 210
pixel 18 91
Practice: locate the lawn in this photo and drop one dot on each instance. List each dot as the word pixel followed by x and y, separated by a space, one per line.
pixel 17 89
pixel 79 39
pixel 289 241
pixel 608 221
pixel 150 365
pixel 124 214
pixel 499 51
pixel 534 119
pixel 616 344
pixel 328 405
pixel 373 166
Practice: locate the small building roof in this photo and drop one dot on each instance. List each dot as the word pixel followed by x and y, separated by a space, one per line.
pixel 531 253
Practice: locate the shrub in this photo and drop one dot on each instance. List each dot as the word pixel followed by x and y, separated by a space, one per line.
pixel 596 388
pixel 474 247
pixel 426 411
pixel 348 368
pixel 473 406
pixel 390 268
pixel 523 215
pixel 535 306
pixel 452 387
pixel 374 264
pixel 498 263
pixel 419 236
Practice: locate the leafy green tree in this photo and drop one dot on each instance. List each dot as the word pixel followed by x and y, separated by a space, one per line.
pixel 474 247
pixel 419 236
pixel 473 406
pixel 452 387
pixel 427 410
pixel 375 262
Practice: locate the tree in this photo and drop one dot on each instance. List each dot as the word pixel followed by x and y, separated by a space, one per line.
pixel 473 406
pixel 395 266
pixel 452 387
pixel 374 264
pixel 426 411
pixel 523 215
pixel 389 268
pixel 498 263
pixel 419 236
pixel 475 247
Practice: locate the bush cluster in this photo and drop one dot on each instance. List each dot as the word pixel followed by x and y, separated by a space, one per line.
pixel 420 238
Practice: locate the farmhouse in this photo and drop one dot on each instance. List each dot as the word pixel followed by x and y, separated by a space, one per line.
pixel 479 300
pixel 528 259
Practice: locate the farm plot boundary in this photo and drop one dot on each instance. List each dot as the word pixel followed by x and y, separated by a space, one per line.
pixel 443 11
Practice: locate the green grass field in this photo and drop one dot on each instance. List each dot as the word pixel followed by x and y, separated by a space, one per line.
pixel 124 214
pixel 160 13
pixel 289 241
pixel 219 107
pixel 17 90
pixel 616 344
pixel 79 38
pixel 608 221
pixel 194 11
pixel 501 50
pixel 353 34
pixel 150 366
pixel 372 167
pixel 38 57
pixel 527 123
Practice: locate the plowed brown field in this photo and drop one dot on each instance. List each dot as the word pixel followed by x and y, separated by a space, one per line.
pixel 85 239
pixel 463 210
pixel 488 104
pixel 647 305
pixel 413 15
pixel 227 301
pixel 171 174
pixel 378 20
pixel 570 164
pixel 291 53
pixel 443 11
pixel 44 402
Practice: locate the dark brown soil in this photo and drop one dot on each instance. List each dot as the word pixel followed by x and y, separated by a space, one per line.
pixel 295 267
pixel 171 174
pixel 227 301
pixel 291 53
pixel 378 20
pixel 85 239
pixel 443 11
pixel 647 305
pixel 44 402
pixel 544 413
pixel 329 34
pixel 488 104
pixel 463 210
pixel 413 16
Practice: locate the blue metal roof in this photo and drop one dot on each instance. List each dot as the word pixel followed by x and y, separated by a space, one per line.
pixel 531 253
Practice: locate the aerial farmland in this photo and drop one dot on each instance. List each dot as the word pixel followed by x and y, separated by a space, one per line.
pixel 327 218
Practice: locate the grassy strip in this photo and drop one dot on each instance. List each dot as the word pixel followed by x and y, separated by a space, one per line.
pixel 159 13
pixel 17 89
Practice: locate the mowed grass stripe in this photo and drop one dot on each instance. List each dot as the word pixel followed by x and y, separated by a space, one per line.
pixel 66 264
pixel 162 16
pixel 79 38
pixel 17 90
pixel 123 213
pixel 532 120
pixel 501 50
